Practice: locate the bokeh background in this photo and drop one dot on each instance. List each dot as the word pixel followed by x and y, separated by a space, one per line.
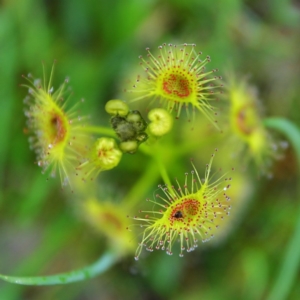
pixel 97 44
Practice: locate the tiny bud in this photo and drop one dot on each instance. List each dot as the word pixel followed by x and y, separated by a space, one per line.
pixel 161 121
pixel 105 154
pixel 129 146
pixel 137 121
pixel 116 107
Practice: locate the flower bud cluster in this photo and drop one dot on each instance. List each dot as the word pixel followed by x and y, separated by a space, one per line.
pixel 129 126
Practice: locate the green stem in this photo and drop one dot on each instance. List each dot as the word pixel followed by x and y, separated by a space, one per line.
pixel 154 151
pixel 154 168
pixel 99 130
pixel 191 146
pixel 95 269
pixel 163 171
pixel 291 259
pixel 142 185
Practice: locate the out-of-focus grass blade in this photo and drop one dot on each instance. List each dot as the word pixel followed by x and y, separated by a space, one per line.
pixel 289 130
pixel 55 237
pixel 100 266
pixel 291 260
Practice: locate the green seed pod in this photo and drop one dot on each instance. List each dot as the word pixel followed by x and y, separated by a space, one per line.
pixel 116 107
pixel 161 122
pixel 129 146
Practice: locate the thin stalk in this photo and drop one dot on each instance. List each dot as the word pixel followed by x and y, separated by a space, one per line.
pixel 99 130
pixel 93 270
pixel 163 171
pixel 143 184
pixel 291 259
pixel 154 151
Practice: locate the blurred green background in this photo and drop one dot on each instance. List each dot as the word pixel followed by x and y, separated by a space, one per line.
pixel 97 44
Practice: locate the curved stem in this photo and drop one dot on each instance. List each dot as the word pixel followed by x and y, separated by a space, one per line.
pixel 151 174
pixel 291 260
pixel 163 171
pixel 99 130
pixel 147 179
pixel 154 152
pixel 95 269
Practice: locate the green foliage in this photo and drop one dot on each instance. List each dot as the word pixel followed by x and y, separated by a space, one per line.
pixel 97 45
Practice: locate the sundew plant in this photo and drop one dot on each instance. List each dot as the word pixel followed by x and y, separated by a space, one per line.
pixel 161 176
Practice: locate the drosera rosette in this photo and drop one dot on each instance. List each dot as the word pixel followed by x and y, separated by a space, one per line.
pixel 57 134
pixel 110 219
pixel 185 212
pixel 245 126
pixel 178 79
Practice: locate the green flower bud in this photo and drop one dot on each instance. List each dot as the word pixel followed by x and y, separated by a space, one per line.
pixel 129 146
pixel 105 154
pixel 116 107
pixel 161 122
